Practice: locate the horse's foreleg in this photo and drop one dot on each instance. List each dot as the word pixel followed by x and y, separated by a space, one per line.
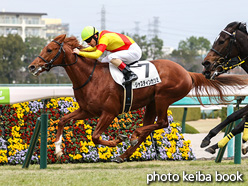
pixel 245 137
pixel 231 118
pixel 237 129
pixel 76 115
pixel 245 131
pixel 104 121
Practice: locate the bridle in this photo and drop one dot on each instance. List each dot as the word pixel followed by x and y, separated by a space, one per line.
pixel 226 63
pixel 49 64
pixel 230 45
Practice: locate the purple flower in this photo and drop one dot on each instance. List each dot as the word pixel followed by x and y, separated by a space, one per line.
pixel 3 145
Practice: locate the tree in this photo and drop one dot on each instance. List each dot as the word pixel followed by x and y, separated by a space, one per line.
pixel 143 44
pixel 190 52
pixel 33 47
pixel 11 63
pixel 151 49
pixel 155 48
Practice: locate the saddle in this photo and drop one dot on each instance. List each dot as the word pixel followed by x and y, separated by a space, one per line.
pixel 147 76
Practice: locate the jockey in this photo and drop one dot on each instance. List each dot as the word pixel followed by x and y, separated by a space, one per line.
pixel 123 50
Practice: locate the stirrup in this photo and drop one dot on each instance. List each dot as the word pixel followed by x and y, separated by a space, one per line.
pixel 132 78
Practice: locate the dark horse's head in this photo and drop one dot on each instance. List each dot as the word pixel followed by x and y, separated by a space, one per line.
pixel 53 54
pixel 226 51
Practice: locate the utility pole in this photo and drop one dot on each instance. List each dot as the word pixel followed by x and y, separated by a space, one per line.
pixel 103 18
pixel 150 30
pixel 137 29
pixel 155 26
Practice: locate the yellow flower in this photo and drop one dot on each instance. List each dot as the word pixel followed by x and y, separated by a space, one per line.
pixel 136 154
pixel 173 125
pixel 88 131
pixel 80 122
pixel 149 143
pixel 91 143
pixel 77 157
pixel 3 156
pixel 169 155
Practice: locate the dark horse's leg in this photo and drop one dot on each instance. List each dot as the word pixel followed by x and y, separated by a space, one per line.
pixel 231 118
pixel 237 129
pixel 76 115
pixel 245 137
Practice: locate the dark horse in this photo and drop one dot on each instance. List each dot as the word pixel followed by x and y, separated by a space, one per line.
pixel 98 95
pixel 228 51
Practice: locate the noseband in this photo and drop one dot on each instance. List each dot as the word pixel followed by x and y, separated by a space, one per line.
pixel 49 64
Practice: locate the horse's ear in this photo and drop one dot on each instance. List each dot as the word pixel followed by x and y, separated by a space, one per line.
pixel 60 38
pixel 242 27
pixel 238 25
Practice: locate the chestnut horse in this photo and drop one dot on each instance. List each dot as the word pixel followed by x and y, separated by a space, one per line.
pixel 98 95
pixel 228 51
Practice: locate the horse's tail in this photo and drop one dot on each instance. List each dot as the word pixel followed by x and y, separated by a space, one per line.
pixel 220 85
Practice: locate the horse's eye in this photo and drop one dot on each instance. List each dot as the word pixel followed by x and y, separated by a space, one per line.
pixel 221 60
pixel 221 42
pixel 49 50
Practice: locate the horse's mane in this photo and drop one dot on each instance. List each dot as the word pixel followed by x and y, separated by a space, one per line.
pixel 72 42
pixel 232 24
pixel 241 26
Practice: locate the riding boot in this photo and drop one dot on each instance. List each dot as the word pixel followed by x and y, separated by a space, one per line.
pixel 128 75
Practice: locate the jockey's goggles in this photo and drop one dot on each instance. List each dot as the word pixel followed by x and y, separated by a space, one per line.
pixel 88 40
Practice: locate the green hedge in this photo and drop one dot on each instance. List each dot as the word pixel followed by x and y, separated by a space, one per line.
pixel 215 114
pixel 193 114
pixel 189 129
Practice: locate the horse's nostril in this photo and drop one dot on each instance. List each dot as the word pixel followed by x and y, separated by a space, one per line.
pixel 31 68
pixel 207 74
pixel 206 63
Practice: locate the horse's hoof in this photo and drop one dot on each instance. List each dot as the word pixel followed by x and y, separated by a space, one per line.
pixel 134 142
pixel 244 151
pixel 205 142
pixel 210 150
pixel 59 154
pixel 244 148
pixel 122 137
pixel 118 159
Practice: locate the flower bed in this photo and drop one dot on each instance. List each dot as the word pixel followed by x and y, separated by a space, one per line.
pixel 18 122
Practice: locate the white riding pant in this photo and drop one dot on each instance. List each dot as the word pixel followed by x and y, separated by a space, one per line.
pixel 133 53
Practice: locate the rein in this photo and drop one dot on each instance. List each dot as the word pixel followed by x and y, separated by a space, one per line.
pixel 49 64
pixel 232 63
pixel 88 80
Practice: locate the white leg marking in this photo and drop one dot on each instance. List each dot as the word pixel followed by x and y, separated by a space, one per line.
pixel 58 145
